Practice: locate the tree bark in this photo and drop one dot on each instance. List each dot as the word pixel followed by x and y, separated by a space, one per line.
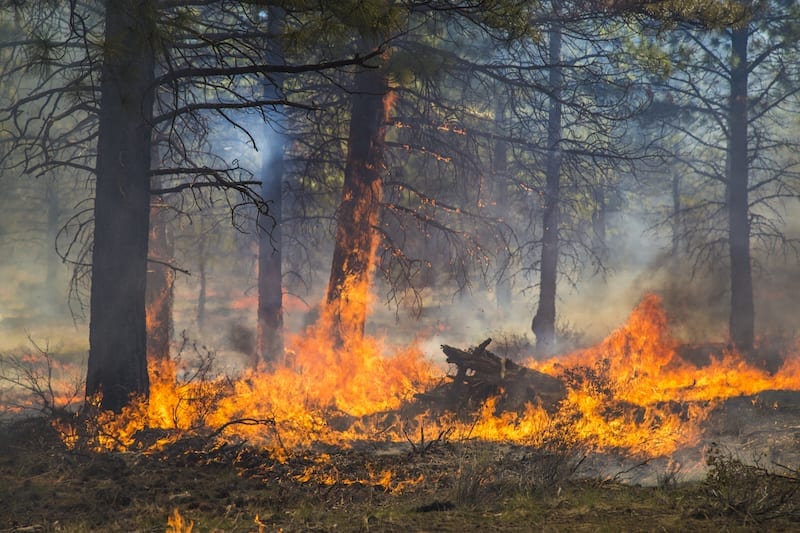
pixel 270 286
pixel 544 321
pixel 160 283
pixel 356 241
pixel 117 366
pixel 742 312
pixel 202 268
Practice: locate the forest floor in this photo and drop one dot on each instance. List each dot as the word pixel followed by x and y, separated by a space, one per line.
pixel 441 486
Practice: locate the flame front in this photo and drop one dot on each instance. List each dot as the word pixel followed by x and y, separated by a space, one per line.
pixel 322 381
pixel 632 393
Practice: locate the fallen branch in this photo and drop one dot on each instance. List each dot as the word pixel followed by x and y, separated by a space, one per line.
pixel 243 422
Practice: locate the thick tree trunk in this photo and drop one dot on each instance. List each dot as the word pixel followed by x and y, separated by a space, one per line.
pixel 356 240
pixel 117 365
pixel 544 321
pixel 160 283
pixel 742 315
pixel 270 287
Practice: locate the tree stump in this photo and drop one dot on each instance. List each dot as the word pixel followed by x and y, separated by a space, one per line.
pixel 480 375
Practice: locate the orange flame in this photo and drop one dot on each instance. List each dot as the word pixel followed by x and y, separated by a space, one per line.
pixel 321 381
pixel 177 524
pixel 633 392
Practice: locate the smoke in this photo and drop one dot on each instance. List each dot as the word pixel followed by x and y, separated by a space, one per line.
pixel 696 295
pixel 33 307
pixel 775 273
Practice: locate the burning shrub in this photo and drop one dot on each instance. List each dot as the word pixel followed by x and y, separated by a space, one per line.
pixel 182 397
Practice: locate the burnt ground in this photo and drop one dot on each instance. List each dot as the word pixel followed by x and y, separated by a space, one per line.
pixel 750 483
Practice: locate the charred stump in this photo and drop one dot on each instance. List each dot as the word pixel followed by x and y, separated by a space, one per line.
pixel 481 375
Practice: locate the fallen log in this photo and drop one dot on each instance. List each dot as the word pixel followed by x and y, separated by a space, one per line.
pixel 481 375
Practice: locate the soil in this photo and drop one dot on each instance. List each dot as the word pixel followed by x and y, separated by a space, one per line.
pixel 438 486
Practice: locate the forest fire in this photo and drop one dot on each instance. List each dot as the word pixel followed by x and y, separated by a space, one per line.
pixel 633 393
pixel 199 217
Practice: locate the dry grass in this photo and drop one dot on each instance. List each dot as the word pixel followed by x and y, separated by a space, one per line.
pixel 458 486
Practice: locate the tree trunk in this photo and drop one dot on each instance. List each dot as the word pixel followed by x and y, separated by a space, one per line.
pixel 270 287
pixel 160 283
pixel 544 321
pixel 356 240
pixel 742 315
pixel 117 365
pixel 202 265
pixel 503 295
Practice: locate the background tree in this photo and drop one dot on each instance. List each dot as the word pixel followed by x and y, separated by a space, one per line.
pixel 117 329
pixel 270 245
pixel 128 123
pixel 356 242
pixel 544 321
pixel 728 98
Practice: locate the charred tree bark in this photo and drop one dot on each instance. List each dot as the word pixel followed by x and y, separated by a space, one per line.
pixel 117 365
pixel 270 274
pixel 356 239
pixel 270 287
pixel 544 321
pixel 742 313
pixel 160 284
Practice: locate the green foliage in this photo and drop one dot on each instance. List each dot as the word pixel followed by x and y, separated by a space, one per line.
pixel 513 18
pixel 652 58
pixel 407 67
pixel 372 19
pixel 706 13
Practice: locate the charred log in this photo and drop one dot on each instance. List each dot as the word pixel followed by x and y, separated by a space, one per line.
pixel 481 375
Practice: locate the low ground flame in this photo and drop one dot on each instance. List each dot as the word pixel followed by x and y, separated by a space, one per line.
pixel 632 393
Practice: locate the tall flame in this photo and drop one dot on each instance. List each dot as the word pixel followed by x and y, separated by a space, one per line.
pixel 323 380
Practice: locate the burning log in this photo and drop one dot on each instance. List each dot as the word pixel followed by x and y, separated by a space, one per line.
pixel 480 375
